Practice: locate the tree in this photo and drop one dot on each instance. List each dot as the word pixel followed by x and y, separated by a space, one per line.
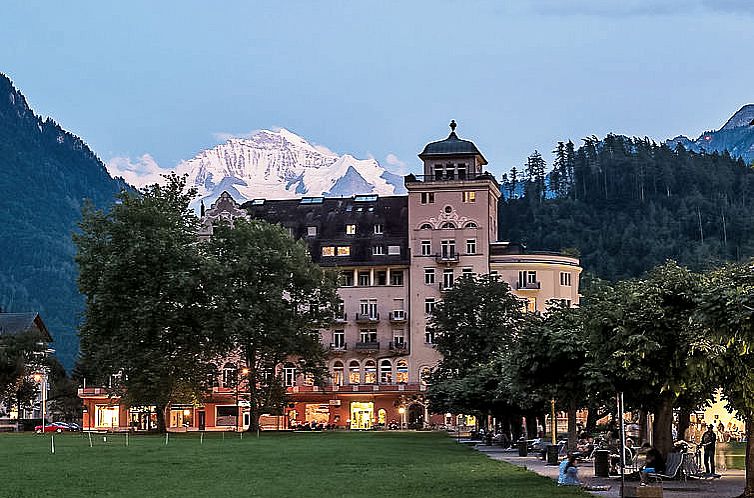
pixel 20 356
pixel 268 301
pixel 726 310
pixel 140 273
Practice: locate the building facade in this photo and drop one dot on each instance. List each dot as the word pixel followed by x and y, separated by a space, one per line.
pixel 394 257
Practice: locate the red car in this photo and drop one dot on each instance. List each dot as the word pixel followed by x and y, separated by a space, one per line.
pixel 53 427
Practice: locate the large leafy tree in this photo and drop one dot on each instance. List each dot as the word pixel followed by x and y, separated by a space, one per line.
pixel 21 355
pixel 268 300
pixel 140 272
pixel 726 310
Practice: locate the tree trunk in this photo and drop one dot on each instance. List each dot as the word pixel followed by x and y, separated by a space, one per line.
pixel 161 427
pixel 572 436
pixel 684 420
pixel 531 425
pixel 591 419
pixel 749 490
pixel 253 419
pixel 663 426
pixel 517 421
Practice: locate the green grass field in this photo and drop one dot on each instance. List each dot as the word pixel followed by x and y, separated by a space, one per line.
pixel 276 464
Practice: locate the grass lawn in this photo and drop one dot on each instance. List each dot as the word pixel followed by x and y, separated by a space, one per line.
pixel 735 455
pixel 277 464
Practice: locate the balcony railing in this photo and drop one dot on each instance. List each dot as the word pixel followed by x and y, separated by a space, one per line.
pixel 399 347
pixel 398 316
pixel 368 346
pixel 342 318
pixel 338 348
pixel 447 257
pixel 448 177
pixel 367 318
pixel 527 285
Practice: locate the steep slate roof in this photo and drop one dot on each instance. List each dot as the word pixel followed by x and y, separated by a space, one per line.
pixel 331 215
pixel 18 323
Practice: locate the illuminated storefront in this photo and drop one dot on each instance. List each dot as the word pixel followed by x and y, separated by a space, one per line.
pixel 362 415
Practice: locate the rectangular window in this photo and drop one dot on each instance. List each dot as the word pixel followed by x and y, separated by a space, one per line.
pixel 311 231
pixel 531 304
pixel 381 277
pixel 368 307
pixel 328 251
pixel 426 247
pixel 344 251
pixel 346 279
pixel 350 229
pixel 428 198
pixel 394 250
pixel 289 376
pixel 429 305
pixel 364 279
pixel 396 277
pixel 469 196
pixel 565 279
pixel 429 336
pixel 447 279
pixel 527 279
pixel 467 272
pixel 378 250
pixel 368 335
pixel 470 246
pixel 448 248
pixel 461 171
pixel 566 302
pixel 379 229
pixel 429 276
pixel 398 337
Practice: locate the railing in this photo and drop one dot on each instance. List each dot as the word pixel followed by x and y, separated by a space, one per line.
pixel 398 316
pixel 447 257
pixel 367 317
pixel 527 285
pixel 399 347
pixel 446 177
pixel 368 346
pixel 338 348
pixel 341 318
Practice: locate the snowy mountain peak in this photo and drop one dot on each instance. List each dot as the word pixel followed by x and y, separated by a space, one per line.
pixel 279 164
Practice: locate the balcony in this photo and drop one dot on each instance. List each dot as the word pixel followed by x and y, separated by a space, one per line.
pixel 367 347
pixel 447 258
pixel 338 348
pixel 367 318
pixel 342 318
pixel 398 316
pixel 399 348
pixel 527 285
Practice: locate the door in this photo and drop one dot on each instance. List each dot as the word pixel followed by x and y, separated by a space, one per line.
pixel 362 415
pixel 202 420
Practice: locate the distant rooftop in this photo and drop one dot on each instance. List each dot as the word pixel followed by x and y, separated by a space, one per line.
pixel 18 323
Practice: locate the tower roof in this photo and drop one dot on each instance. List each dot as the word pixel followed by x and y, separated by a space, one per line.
pixel 452 146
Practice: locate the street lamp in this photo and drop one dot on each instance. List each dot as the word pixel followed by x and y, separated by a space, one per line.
pixel 402 412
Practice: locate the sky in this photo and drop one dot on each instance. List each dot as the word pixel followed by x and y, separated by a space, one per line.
pixel 164 80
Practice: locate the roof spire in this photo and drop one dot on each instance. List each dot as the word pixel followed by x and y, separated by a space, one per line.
pixel 453 125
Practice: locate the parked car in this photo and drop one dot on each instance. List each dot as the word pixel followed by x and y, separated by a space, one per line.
pixel 73 426
pixel 53 427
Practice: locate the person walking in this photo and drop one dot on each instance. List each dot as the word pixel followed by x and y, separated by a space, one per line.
pixel 708 443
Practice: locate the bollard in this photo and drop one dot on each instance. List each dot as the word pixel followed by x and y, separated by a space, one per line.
pixel 166 438
pixel 126 440
pixel 201 438
pixel 52 444
pixel 90 438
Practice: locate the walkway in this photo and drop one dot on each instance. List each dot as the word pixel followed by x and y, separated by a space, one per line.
pixel 729 486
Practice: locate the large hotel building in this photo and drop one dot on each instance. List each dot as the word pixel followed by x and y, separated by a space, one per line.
pixel 394 256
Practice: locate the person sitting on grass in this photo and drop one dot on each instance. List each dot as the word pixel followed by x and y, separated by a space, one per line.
pixel 569 475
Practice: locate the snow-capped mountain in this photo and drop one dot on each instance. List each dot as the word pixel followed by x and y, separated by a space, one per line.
pixel 279 165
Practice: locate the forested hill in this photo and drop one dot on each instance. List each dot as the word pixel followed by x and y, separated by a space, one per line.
pixel 628 204
pixel 45 175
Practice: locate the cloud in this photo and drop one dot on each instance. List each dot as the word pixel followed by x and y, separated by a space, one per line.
pixel 139 172
pixel 396 165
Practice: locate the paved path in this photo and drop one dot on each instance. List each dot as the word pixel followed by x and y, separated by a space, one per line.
pixel 729 486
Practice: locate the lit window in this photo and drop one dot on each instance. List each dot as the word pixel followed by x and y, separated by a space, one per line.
pixel 429 276
pixel 394 250
pixel 309 380
pixel 424 373
pixel 354 372
pixel 344 251
pixel 401 371
pixel 426 247
pixel 471 246
pixel 469 197
pixel 328 251
pixel 311 231
pixel 337 373
pixel 350 229
pixel 428 198
pixel 429 305
pixel 370 372
pixel 378 250
pixel 531 304
pixel 379 229
pixel 565 279
pixel 386 372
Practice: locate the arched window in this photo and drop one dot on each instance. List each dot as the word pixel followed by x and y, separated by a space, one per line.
pixel 370 372
pixel 471 224
pixel 424 373
pixel 401 372
pixel 230 375
pixel 381 416
pixel 425 226
pixel 289 375
pixel 386 372
pixel 354 372
pixel 337 373
pixel 447 225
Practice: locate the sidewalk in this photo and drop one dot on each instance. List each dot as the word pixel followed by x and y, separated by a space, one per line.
pixel 729 486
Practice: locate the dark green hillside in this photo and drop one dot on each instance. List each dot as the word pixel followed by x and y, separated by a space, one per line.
pixel 45 175
pixel 629 204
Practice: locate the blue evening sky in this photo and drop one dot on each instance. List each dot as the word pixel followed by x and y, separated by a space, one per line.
pixel 167 78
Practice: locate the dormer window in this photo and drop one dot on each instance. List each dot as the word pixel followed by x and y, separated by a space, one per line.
pixel 425 226
pixel 447 225
pixel 350 229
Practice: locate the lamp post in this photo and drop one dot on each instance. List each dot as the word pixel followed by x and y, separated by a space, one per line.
pixel 402 412
pixel 244 373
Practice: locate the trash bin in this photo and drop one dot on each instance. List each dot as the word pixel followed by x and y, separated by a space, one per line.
pixel 602 463
pixel 522 448
pixel 552 454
